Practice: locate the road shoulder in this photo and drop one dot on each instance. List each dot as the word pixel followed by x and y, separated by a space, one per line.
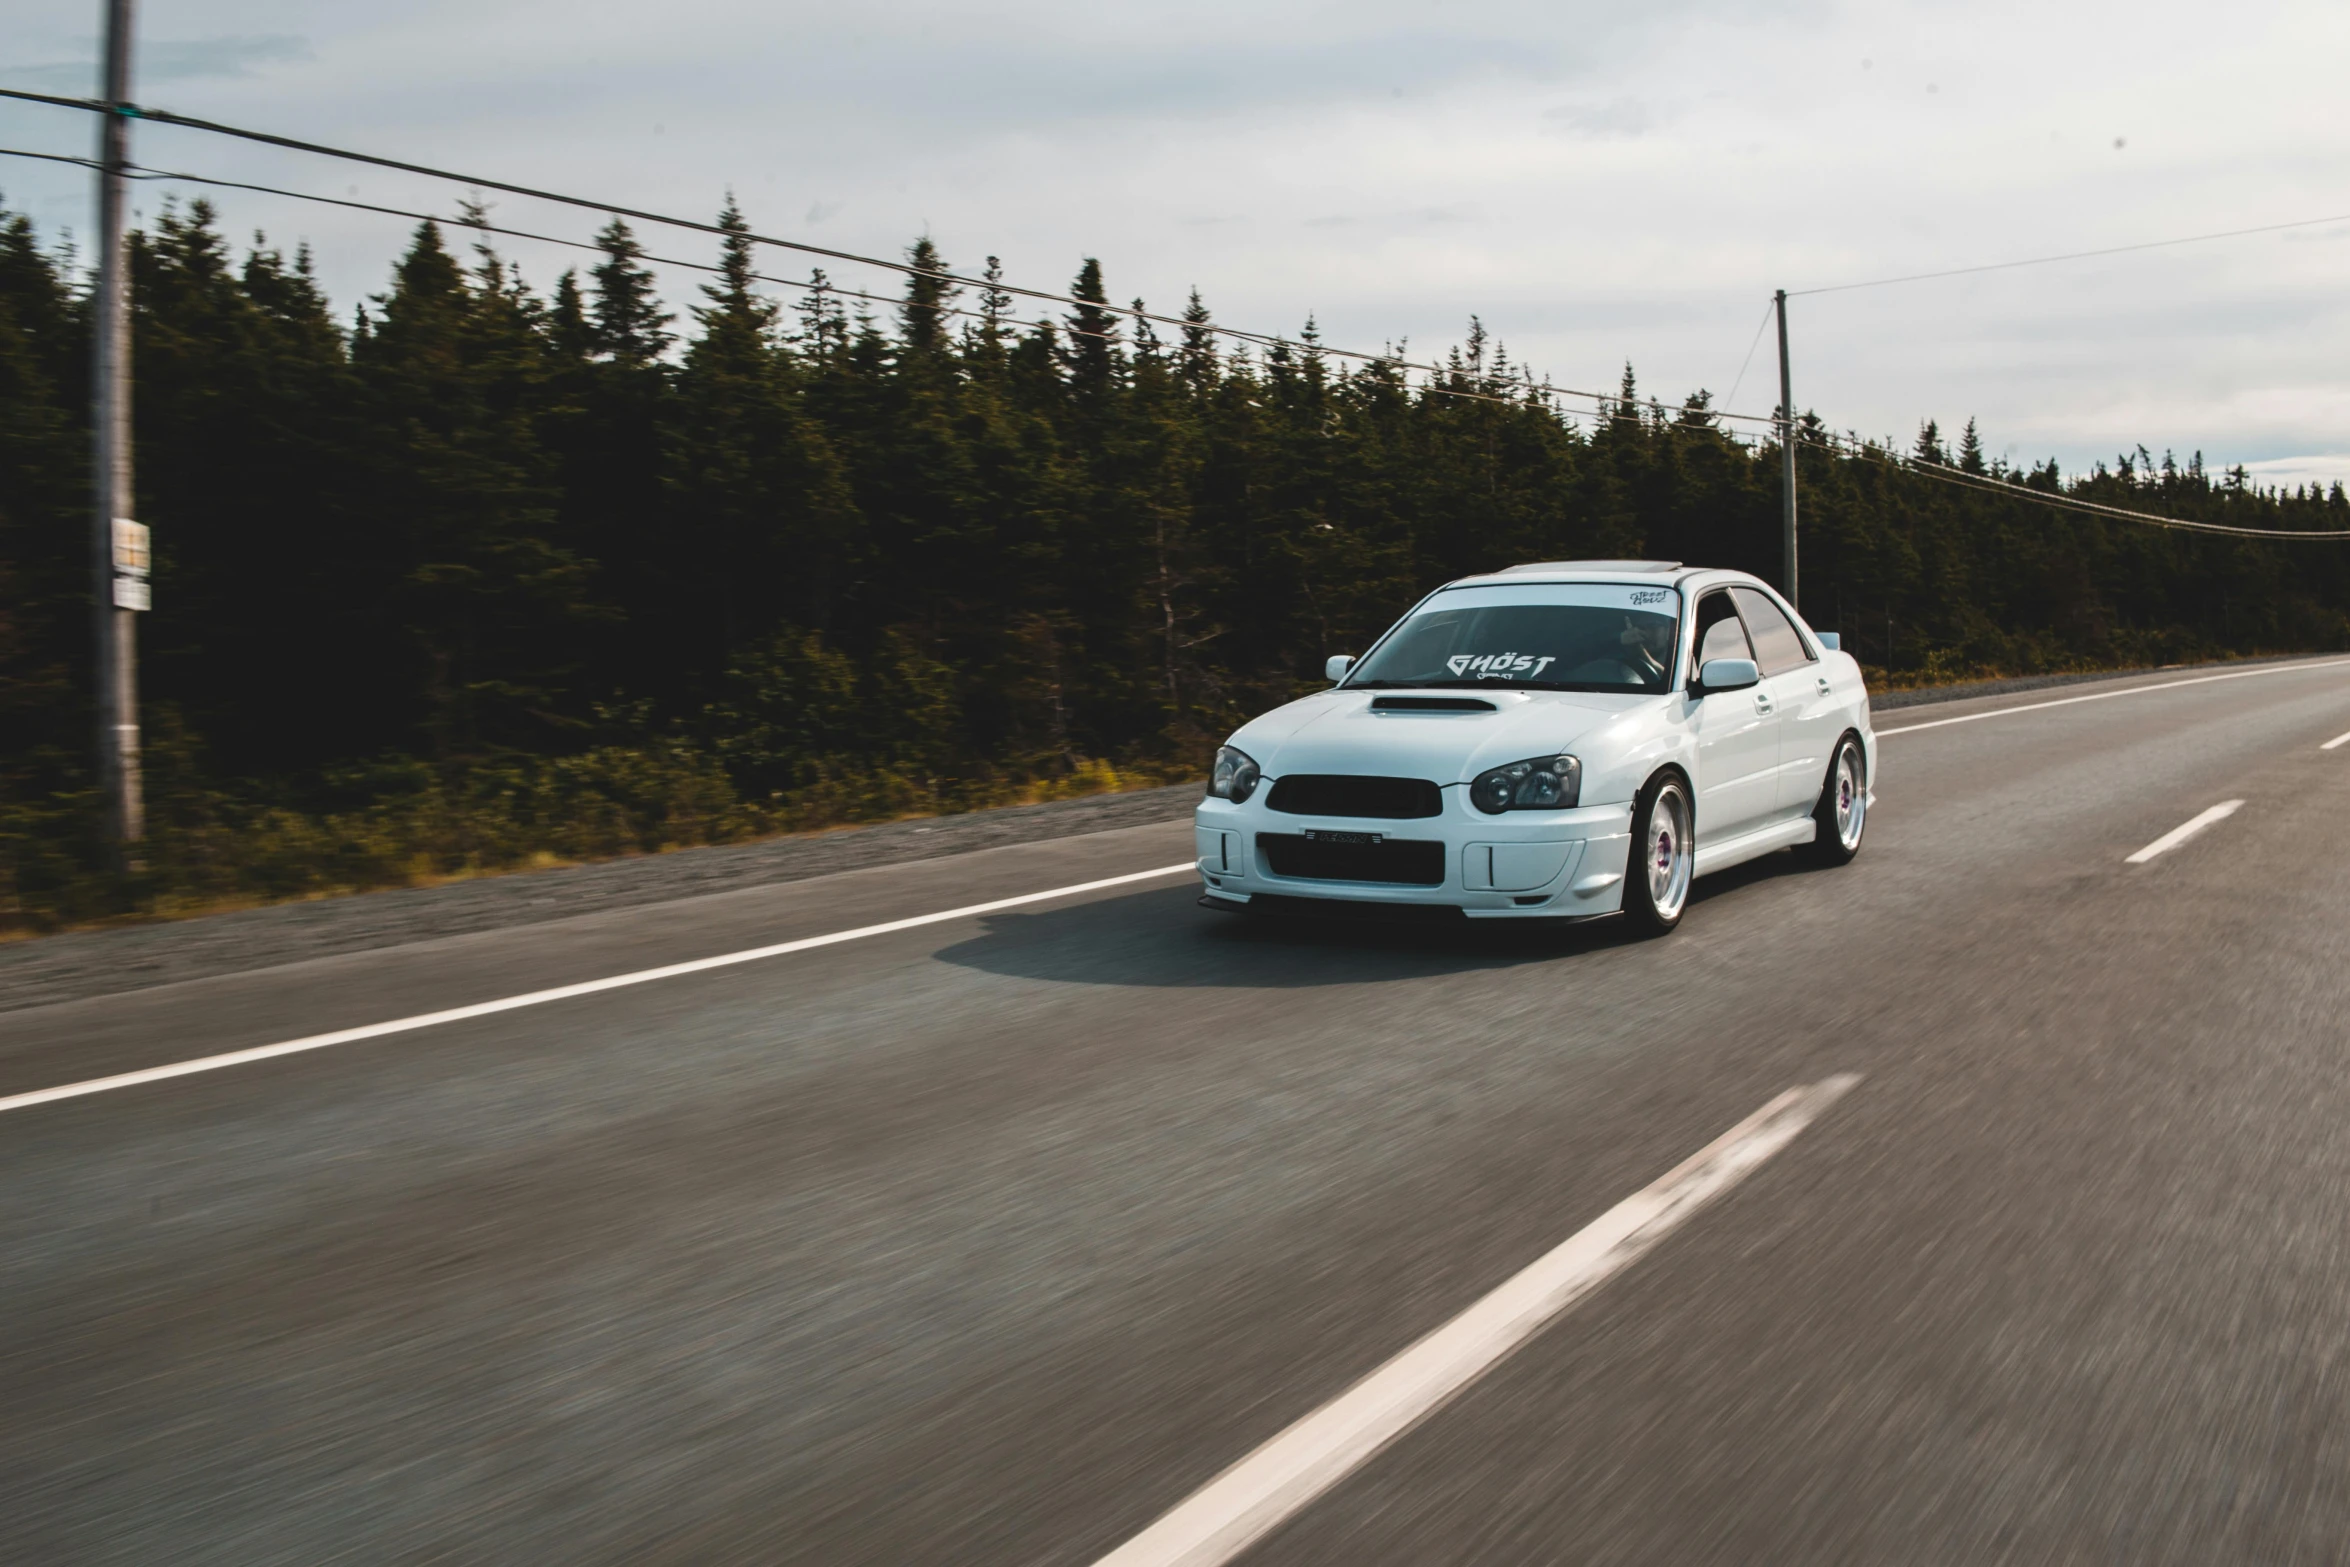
pixel 80 964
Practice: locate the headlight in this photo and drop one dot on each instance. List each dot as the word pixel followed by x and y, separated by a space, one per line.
pixel 1235 776
pixel 1547 783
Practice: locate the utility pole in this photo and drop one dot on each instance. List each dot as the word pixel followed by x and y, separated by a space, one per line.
pixel 1787 457
pixel 119 553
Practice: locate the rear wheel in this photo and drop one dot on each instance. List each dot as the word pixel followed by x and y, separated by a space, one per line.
pixel 1664 856
pixel 1842 813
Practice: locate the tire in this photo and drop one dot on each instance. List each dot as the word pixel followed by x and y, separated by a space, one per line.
pixel 1842 814
pixel 1663 859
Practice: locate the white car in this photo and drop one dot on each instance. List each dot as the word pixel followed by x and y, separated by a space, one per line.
pixel 1572 738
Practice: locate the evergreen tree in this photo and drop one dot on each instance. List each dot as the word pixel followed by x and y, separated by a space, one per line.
pixel 1093 357
pixel 1970 450
pixel 929 296
pixel 462 509
pixel 1199 345
pixel 570 339
pixel 44 561
pixel 606 432
pixel 629 326
pixel 759 577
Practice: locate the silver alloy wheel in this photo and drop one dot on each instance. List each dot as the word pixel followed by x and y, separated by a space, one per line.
pixel 1670 855
pixel 1852 797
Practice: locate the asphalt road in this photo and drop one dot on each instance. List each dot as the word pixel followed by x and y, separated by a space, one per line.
pixel 992 1240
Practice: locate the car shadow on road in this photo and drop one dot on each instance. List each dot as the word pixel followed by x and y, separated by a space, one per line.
pixel 1163 938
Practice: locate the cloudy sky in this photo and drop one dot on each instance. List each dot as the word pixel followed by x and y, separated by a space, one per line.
pixel 1598 182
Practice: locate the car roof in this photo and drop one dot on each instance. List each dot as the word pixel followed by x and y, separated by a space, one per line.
pixel 1638 572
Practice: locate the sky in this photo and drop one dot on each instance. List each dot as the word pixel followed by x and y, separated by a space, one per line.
pixel 1598 183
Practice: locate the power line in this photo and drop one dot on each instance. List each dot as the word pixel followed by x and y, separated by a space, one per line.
pixel 1260 339
pixel 1768 311
pixel 166 117
pixel 1987 484
pixel 51 157
pixel 484 225
pixel 1610 410
pixel 2075 255
pixel 818 285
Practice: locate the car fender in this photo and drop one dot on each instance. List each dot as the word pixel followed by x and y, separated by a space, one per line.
pixel 1619 758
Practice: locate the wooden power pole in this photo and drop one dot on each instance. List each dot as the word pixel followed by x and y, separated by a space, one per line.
pixel 119 553
pixel 1786 458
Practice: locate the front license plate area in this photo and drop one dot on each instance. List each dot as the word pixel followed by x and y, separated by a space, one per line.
pixel 1354 856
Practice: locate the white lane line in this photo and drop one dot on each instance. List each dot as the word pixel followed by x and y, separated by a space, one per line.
pixel 1238 1507
pixel 2185 830
pixel 2336 743
pixel 2107 696
pixel 536 998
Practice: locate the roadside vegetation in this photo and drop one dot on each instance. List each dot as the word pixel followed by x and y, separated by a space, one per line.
pixel 475 577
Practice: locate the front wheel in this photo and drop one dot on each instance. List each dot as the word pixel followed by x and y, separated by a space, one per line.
pixel 1664 856
pixel 1842 813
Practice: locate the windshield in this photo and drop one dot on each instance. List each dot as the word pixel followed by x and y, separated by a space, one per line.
pixel 1541 637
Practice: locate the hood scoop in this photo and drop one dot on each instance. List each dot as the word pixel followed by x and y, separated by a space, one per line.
pixel 1432 704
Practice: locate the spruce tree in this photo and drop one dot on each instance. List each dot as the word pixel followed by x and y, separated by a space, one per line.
pixel 760 506
pixel 1970 450
pixel 1929 448
pixel 985 340
pixel 608 435
pixel 1092 355
pixel 628 327
pixel 461 503
pixel 922 316
pixel 1199 345
pixel 44 570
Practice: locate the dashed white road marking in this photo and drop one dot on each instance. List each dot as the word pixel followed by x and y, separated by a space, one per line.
pixel 2107 696
pixel 1255 1495
pixel 2336 743
pixel 2185 830
pixel 537 998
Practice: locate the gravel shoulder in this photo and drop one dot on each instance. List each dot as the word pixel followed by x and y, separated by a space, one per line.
pixel 104 962
pixel 76 964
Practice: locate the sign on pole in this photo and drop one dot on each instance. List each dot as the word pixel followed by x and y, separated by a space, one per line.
pixel 133 561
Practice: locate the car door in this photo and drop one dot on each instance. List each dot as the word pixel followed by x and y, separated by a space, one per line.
pixel 1799 690
pixel 1737 733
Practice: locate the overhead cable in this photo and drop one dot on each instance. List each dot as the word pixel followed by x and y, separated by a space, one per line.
pixel 2074 255
pixel 1260 339
pixel 51 157
pixel 1610 408
pixel 1756 342
pixel 1989 484
pixel 816 285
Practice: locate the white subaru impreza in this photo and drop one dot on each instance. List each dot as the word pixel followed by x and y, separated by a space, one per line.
pixel 1571 738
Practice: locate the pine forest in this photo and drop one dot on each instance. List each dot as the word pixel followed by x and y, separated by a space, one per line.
pixel 480 574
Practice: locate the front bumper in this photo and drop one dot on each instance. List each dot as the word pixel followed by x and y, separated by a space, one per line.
pixel 1519 865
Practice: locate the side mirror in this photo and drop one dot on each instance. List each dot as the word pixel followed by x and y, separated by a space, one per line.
pixel 1727 674
pixel 1830 640
pixel 1336 665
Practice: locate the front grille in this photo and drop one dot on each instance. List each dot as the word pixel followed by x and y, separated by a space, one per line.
pixel 1342 794
pixel 1408 864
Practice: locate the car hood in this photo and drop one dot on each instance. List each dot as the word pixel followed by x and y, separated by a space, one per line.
pixel 1340 732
